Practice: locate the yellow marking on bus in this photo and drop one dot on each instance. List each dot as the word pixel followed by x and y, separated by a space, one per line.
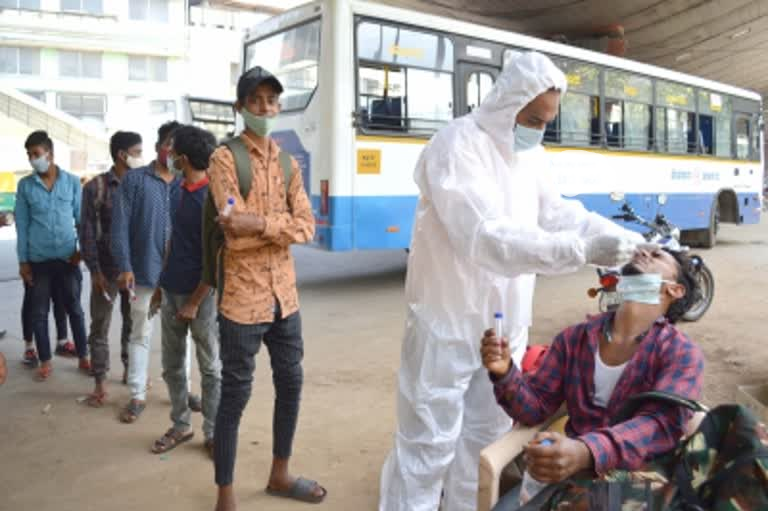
pixel 677 100
pixel 630 91
pixel 369 161
pixel 553 149
pixel 573 80
pixel 400 51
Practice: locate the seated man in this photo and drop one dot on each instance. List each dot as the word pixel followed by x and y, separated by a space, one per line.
pixel 595 366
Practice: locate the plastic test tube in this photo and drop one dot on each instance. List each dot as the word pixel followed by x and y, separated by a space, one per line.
pixel 107 297
pixel 499 325
pixel 228 207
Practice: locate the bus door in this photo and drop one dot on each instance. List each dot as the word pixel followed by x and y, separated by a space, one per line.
pixel 473 83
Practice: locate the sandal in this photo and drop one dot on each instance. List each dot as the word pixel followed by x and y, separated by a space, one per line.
pixel 43 372
pixel 96 400
pixel 302 489
pixel 132 411
pixel 171 439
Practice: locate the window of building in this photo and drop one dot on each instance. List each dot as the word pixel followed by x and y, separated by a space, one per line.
pixel 148 10
pixel 628 110
pixel 25 61
pixel 85 6
pixel 32 5
pixel 38 95
pixel 405 79
pixel 578 122
pixel 293 57
pixel 143 69
pixel 91 107
pixel 75 64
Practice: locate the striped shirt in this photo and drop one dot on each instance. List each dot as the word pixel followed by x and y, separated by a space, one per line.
pixel 666 360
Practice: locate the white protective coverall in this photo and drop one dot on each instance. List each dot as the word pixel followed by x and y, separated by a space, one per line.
pixel 488 220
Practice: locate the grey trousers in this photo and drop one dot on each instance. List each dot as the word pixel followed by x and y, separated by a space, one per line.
pixel 239 345
pixel 101 318
pixel 174 354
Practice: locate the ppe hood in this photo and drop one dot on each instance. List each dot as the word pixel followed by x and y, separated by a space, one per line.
pixel 525 76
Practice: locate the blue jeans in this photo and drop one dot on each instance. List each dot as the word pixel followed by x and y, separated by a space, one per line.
pixel 59 315
pixel 62 278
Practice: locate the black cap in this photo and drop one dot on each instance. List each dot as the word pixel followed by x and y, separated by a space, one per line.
pixel 253 78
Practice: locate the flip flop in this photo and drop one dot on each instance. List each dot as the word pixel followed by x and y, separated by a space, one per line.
pixel 170 440
pixel 301 490
pixel 96 400
pixel 43 373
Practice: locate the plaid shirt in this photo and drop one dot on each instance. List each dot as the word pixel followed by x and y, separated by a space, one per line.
pixel 665 360
pixel 97 254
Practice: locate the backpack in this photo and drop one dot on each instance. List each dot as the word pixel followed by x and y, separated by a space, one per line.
pixel 213 236
pixel 723 466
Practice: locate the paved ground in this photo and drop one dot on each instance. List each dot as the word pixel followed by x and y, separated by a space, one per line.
pixel 74 457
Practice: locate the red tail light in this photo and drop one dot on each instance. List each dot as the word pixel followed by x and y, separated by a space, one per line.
pixel 609 280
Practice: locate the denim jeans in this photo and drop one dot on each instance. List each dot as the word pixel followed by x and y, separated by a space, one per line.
pixel 139 344
pixel 101 318
pixel 176 356
pixel 50 277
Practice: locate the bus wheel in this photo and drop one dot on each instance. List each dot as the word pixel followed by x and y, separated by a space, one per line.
pixel 709 235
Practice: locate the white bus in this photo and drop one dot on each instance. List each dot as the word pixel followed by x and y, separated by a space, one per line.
pixel 366 85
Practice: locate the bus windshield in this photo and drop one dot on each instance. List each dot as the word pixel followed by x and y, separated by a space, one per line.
pixel 293 57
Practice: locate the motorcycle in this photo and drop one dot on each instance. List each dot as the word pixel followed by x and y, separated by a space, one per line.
pixel 662 232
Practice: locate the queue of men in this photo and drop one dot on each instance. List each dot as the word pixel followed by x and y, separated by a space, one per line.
pixel 204 238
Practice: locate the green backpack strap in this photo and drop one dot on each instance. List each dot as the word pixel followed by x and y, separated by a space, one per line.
pixel 242 165
pixel 287 166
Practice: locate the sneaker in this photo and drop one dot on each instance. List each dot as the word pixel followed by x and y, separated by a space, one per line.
pixel 85 366
pixel 66 350
pixel 30 358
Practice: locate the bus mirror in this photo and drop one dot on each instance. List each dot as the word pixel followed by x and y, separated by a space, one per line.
pixel 662 198
pixel 617 196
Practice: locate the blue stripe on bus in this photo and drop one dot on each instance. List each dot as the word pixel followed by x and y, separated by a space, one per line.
pixel 385 222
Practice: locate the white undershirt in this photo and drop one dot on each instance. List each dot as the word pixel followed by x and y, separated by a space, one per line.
pixel 606 378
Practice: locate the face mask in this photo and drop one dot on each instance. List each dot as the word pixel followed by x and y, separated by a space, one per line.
pixel 642 288
pixel 527 138
pixel 261 126
pixel 41 164
pixel 134 162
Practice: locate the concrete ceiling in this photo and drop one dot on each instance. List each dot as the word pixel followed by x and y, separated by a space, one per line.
pixel 723 40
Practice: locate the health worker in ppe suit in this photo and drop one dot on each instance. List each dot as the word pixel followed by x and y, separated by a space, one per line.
pixel 488 220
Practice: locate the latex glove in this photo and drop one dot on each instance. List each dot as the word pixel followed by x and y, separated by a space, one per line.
pixel 634 237
pixel 607 250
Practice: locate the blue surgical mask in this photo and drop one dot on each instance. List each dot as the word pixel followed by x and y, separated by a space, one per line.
pixel 41 164
pixel 527 138
pixel 261 126
pixel 642 288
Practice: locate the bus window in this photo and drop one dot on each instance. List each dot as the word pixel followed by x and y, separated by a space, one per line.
pixel 743 133
pixel 405 79
pixel 628 120
pixel 681 136
pixel 578 121
pixel 293 57
pixel 381 92
pixel 715 124
pixel 479 84
pixel 430 100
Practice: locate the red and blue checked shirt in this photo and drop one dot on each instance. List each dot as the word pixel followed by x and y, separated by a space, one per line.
pixel 665 360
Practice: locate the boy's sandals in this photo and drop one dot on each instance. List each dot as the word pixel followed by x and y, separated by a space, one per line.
pixel 96 399
pixel 44 372
pixel 170 440
pixel 132 411
pixel 302 489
